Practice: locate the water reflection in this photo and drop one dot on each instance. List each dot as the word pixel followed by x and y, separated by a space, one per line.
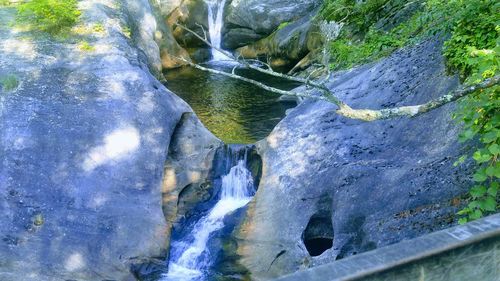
pixel 235 111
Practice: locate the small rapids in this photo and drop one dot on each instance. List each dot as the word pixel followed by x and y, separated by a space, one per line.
pixel 190 257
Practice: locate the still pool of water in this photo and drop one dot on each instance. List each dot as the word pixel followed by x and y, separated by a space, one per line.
pixel 235 111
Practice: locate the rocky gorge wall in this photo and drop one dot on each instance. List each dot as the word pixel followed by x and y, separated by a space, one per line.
pixel 333 187
pixel 79 202
pixel 83 142
pixel 250 25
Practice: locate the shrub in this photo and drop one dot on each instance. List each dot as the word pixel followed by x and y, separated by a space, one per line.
pixel 376 44
pixel 474 51
pixel 51 16
pixel 352 12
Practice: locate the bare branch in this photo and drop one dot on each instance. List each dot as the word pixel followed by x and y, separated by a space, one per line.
pixel 415 110
pixel 251 81
pixel 320 87
pixel 326 95
pixel 204 32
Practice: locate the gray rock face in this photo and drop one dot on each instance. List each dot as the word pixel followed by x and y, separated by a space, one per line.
pixel 83 142
pixel 187 169
pixel 168 6
pixel 193 14
pixel 262 17
pixel 239 37
pixel 333 187
pixel 153 36
pixel 186 182
pixel 290 43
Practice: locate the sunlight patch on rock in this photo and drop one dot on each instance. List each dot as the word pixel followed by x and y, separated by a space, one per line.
pixel 74 262
pixel 22 48
pixel 117 145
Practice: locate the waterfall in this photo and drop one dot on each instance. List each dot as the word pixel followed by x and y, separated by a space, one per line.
pixel 190 257
pixel 215 21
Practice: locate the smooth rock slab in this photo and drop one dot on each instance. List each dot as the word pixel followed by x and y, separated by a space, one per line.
pixel 83 142
pixel 380 182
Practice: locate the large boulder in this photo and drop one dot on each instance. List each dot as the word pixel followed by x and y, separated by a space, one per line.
pixel 334 187
pixel 192 14
pixel 187 183
pixel 288 44
pixel 168 6
pixel 188 169
pixel 251 19
pixel 83 142
pixel 171 53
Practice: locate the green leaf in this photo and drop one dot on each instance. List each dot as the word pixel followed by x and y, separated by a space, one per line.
pixel 467 135
pixel 480 176
pixel 462 221
pixel 494 149
pixel 491 136
pixel 496 172
pixel 472 205
pixel 489 204
pixel 493 189
pixel 477 214
pixel 490 171
pixel 478 191
pixel 481 157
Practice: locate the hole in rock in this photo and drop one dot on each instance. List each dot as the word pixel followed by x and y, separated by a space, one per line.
pixel 318 246
pixel 318 235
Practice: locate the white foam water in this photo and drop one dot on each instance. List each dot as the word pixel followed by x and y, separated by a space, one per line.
pixel 236 191
pixel 215 22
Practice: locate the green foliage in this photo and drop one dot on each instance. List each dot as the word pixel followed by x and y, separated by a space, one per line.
pixel 376 44
pixel 474 50
pixel 4 3
pixel 51 16
pixel 437 16
pixel 86 47
pixel 352 13
pixel 475 28
pixel 9 82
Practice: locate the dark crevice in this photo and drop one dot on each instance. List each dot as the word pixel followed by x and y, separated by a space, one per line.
pixel 318 235
pixel 318 246
pixel 275 258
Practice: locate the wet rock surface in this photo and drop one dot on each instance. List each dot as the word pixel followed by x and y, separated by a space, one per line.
pixel 83 141
pixel 378 183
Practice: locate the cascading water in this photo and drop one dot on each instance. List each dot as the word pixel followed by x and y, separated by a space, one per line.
pixel 190 257
pixel 215 20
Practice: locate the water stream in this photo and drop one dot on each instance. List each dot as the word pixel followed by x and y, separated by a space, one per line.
pixel 237 113
pixel 190 256
pixel 215 22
